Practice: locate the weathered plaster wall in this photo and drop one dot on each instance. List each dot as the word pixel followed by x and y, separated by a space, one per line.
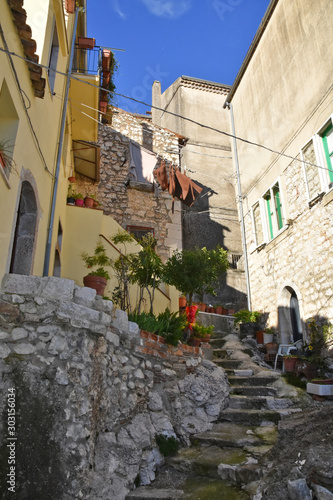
pixel 213 219
pixel 92 392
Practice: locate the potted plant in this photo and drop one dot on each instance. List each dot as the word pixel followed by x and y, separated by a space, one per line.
pixel 182 302
pixel 268 335
pixel 89 200
pixel 85 42
pixel 78 197
pixel 219 309
pixel 97 279
pixel 289 361
pixel 70 195
pixel 200 334
pixel 248 320
pixel 195 271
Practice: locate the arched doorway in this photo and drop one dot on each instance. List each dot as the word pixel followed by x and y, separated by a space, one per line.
pixel 25 232
pixel 290 323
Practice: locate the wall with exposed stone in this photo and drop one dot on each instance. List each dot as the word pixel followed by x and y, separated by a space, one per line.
pixel 129 203
pixel 92 392
pixel 299 258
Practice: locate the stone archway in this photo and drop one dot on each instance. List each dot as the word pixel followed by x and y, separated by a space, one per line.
pixel 289 314
pixel 25 232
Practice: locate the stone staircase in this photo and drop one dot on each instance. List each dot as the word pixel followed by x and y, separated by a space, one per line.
pixel 225 462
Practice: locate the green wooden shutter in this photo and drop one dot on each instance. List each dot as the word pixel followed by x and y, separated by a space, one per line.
pixel 270 216
pixel 328 150
pixel 278 206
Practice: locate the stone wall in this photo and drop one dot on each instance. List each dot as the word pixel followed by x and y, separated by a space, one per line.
pixel 92 392
pixel 299 258
pixel 130 204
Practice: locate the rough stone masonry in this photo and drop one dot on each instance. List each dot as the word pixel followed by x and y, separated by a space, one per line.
pixel 91 393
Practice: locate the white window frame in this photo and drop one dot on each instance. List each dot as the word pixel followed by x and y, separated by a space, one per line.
pixel 265 216
pixel 325 182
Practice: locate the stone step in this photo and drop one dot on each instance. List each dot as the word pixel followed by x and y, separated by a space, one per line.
pixel 259 402
pixel 204 461
pixel 219 353
pixel 255 390
pixel 252 381
pixel 249 417
pixel 150 493
pixel 216 342
pixel 232 435
pixel 228 364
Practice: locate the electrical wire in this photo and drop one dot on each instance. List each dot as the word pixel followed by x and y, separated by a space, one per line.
pixel 246 141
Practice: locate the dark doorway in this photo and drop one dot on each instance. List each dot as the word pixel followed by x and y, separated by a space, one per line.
pixel 295 317
pixel 25 231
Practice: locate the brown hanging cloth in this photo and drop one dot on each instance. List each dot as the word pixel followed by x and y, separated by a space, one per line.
pixel 190 190
pixel 161 175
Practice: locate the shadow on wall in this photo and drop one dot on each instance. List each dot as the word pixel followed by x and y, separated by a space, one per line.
pixel 199 229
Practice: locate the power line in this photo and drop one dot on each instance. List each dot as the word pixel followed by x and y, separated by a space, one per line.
pixel 246 141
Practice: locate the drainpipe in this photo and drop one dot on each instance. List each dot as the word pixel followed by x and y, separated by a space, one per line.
pixel 240 201
pixel 61 141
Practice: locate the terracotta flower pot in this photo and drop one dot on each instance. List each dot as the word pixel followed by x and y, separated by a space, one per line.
pixel 182 302
pixel 96 282
pixel 271 348
pixel 70 6
pixel 219 310
pixel 86 43
pixel 289 364
pixel 103 106
pixel 106 59
pixel 202 306
pixel 231 312
pixel 88 202
pixel 260 336
pixel 71 179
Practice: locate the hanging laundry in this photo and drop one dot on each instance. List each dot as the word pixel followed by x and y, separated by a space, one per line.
pixel 190 190
pixel 142 164
pixel 161 175
pixel 182 187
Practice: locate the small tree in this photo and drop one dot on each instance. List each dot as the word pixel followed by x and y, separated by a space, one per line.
pixel 122 269
pixel 196 271
pixel 146 269
pixel 99 259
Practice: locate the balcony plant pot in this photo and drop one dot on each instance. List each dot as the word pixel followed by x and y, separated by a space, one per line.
pixel 72 179
pixel 201 306
pixel 79 202
pixel 103 106
pixel 86 43
pixel 106 59
pixel 106 78
pixel 195 342
pixel 96 283
pixel 70 6
pixel 88 202
pixel 219 309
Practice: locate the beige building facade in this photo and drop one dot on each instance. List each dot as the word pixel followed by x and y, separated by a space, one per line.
pixel 194 108
pixel 282 103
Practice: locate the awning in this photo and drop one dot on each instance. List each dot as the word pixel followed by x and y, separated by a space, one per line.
pixel 86 159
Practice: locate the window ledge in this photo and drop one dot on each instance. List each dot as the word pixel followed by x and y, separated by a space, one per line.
pixel 279 237
pixel 141 186
pixel 328 197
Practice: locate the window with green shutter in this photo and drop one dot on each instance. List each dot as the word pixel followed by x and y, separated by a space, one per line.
pixel 268 215
pixel 327 138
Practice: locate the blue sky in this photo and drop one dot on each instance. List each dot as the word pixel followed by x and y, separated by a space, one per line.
pixel 165 39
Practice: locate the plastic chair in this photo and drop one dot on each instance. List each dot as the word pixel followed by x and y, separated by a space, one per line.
pixel 286 349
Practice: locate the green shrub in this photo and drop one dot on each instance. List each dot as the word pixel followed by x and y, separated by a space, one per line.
pixel 167 324
pixel 246 316
pixel 168 446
